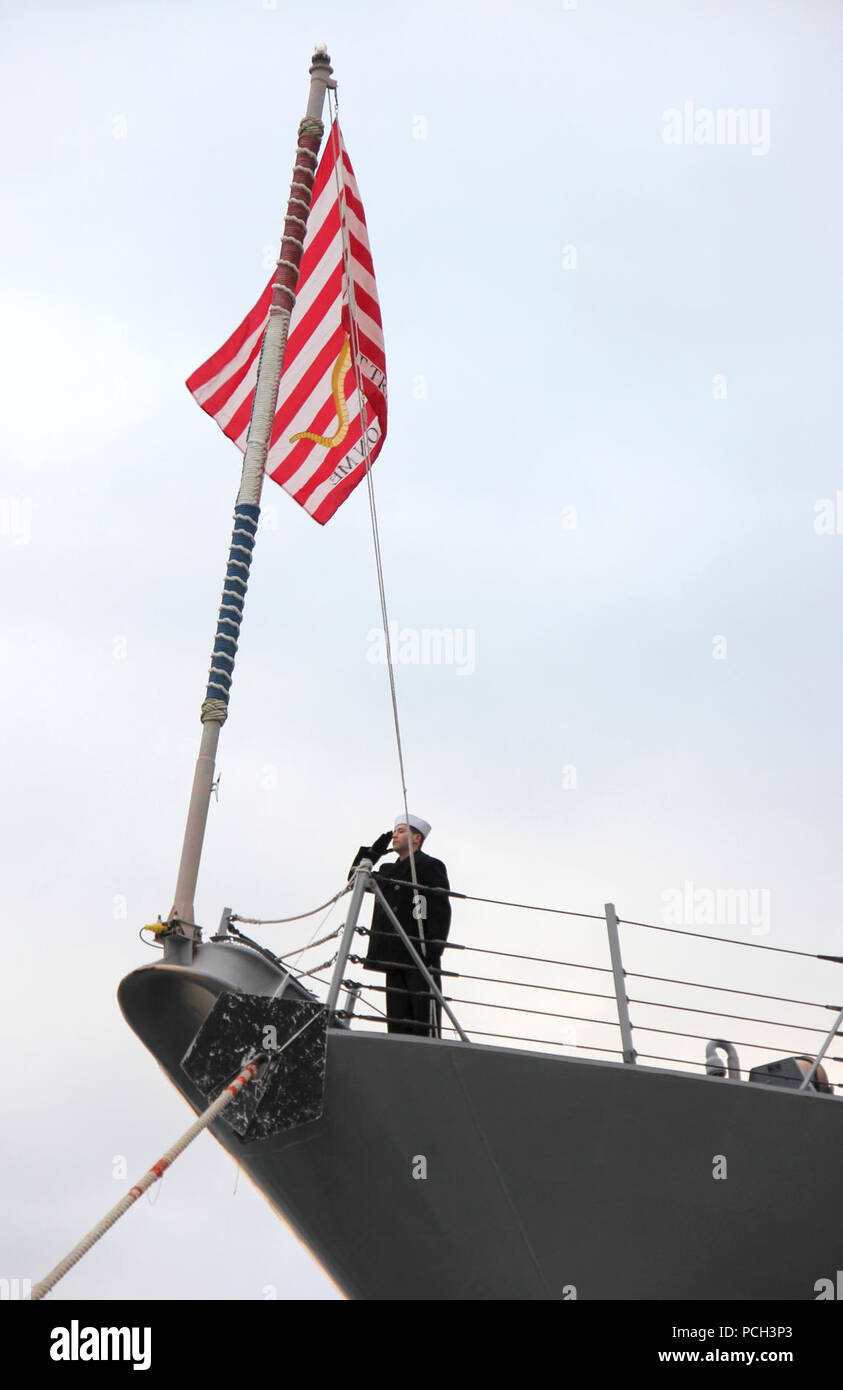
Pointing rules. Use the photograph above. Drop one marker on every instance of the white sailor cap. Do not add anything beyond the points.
(415, 822)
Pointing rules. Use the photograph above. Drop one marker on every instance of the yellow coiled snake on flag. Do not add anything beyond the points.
(342, 365)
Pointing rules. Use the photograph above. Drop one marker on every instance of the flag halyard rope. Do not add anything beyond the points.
(333, 108)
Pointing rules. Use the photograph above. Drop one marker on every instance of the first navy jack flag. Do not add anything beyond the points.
(332, 398)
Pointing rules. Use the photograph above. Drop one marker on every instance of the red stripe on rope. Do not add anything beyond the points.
(241, 1080)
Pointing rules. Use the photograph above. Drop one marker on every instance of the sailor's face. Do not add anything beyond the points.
(401, 841)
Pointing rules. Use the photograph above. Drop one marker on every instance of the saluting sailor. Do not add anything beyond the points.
(410, 1006)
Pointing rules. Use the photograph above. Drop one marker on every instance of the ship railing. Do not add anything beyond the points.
(609, 1010)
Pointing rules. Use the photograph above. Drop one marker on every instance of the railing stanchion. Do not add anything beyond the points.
(362, 881)
(351, 998)
(811, 1073)
(629, 1053)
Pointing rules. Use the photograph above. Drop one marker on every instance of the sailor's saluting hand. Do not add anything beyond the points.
(373, 852)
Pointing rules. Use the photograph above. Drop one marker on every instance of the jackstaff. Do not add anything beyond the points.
(247, 508)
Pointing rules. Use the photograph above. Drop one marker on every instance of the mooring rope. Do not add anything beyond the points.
(157, 1171)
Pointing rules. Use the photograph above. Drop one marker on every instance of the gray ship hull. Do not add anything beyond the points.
(545, 1177)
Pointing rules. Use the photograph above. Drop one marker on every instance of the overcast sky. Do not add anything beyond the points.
(612, 472)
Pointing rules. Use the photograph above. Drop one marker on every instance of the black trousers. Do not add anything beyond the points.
(408, 1004)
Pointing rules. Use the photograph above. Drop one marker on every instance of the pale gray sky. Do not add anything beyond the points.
(578, 315)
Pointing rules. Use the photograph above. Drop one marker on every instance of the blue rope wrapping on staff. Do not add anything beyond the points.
(246, 516)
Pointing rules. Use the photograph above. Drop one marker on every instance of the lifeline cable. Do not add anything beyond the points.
(279, 993)
(624, 921)
(277, 921)
(729, 941)
(502, 902)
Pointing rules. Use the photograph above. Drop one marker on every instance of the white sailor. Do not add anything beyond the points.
(425, 917)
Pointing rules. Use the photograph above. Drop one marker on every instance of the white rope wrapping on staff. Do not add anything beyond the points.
(275, 341)
(157, 1171)
(263, 410)
(285, 289)
(214, 710)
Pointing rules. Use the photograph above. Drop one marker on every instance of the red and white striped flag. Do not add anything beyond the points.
(316, 450)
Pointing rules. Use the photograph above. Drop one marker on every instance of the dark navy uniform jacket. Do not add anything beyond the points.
(386, 949)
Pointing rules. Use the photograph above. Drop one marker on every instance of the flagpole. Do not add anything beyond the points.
(247, 507)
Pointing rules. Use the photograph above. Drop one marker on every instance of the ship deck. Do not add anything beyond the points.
(445, 1170)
